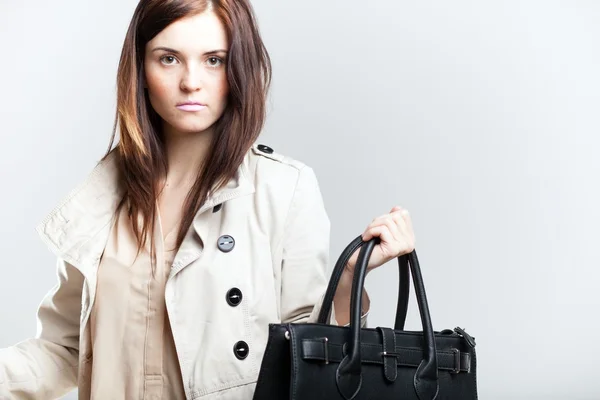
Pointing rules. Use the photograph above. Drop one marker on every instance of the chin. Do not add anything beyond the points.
(192, 128)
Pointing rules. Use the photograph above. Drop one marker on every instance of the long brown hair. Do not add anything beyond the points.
(141, 150)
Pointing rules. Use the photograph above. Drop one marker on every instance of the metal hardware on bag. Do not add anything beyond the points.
(287, 335)
(456, 369)
(325, 344)
(469, 339)
(468, 363)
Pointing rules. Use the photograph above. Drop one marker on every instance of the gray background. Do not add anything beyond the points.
(481, 118)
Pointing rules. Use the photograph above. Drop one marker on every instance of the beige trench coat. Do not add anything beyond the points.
(273, 208)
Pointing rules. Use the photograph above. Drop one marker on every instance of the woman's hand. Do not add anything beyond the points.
(396, 236)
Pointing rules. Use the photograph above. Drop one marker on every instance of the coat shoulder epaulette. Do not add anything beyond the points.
(268, 152)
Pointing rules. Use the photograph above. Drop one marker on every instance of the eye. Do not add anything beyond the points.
(168, 58)
(214, 62)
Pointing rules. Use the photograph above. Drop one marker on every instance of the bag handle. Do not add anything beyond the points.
(348, 374)
(403, 288)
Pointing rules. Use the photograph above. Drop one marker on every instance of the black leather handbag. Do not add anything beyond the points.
(313, 361)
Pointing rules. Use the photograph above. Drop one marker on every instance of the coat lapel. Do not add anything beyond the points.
(71, 229)
(77, 229)
(207, 219)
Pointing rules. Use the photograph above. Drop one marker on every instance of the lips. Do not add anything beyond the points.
(191, 106)
(191, 103)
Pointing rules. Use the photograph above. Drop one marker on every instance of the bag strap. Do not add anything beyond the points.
(336, 275)
(348, 374)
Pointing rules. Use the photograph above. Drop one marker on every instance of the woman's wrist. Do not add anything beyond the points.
(344, 289)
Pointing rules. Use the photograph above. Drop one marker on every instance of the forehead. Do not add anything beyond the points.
(197, 33)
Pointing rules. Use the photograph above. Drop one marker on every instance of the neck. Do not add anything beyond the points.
(185, 154)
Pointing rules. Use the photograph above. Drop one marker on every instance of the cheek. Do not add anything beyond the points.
(159, 85)
(159, 89)
(222, 89)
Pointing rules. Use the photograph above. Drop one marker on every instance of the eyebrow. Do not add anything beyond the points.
(167, 49)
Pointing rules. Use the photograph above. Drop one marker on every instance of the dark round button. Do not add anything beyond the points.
(234, 297)
(241, 350)
(265, 149)
(226, 243)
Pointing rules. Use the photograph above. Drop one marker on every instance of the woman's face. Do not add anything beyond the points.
(186, 63)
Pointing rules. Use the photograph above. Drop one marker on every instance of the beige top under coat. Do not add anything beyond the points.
(133, 352)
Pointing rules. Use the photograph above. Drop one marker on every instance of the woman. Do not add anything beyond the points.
(228, 236)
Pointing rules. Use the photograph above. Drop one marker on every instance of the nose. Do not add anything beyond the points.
(192, 78)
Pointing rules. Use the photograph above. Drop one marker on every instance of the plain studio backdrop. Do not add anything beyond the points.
(481, 118)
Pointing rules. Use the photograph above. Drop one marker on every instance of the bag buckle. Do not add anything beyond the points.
(456, 369)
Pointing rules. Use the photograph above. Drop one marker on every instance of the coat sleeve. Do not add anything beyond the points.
(46, 366)
(304, 270)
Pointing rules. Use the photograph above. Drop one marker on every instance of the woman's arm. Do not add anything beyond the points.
(304, 276)
(341, 301)
(46, 366)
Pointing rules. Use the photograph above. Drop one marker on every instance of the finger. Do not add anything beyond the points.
(407, 230)
(389, 222)
(407, 227)
(407, 218)
(385, 220)
(382, 232)
(399, 216)
(381, 217)
(404, 223)
(396, 212)
(396, 208)
(404, 214)
(376, 222)
(400, 222)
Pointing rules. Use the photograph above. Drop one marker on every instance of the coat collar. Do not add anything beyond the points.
(76, 230)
